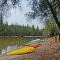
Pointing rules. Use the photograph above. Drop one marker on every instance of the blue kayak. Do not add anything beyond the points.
(36, 41)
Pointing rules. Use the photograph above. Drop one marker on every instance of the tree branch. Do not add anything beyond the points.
(53, 13)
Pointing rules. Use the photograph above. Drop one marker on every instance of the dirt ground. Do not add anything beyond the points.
(50, 51)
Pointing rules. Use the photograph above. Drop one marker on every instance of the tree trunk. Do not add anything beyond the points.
(54, 15)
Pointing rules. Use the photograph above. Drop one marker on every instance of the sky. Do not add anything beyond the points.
(17, 15)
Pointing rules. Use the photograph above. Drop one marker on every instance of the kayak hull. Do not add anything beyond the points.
(24, 50)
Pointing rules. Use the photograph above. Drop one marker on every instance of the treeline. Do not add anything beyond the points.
(18, 30)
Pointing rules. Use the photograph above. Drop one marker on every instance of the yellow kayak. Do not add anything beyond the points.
(24, 50)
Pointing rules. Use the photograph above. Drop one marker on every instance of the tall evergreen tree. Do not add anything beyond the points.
(1, 19)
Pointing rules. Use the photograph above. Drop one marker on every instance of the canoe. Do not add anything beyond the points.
(37, 45)
(36, 41)
(24, 50)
